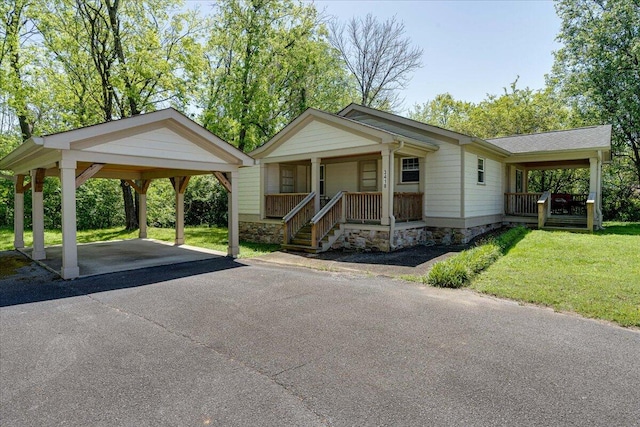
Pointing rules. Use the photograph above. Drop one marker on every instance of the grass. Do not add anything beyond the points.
(596, 275)
(205, 237)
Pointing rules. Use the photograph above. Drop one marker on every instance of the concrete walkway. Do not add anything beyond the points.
(416, 261)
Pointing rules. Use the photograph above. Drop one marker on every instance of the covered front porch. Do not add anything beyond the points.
(557, 208)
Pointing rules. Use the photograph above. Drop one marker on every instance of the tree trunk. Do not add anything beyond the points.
(131, 219)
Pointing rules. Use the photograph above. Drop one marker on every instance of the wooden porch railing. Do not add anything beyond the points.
(363, 207)
(521, 204)
(544, 208)
(407, 206)
(278, 205)
(330, 215)
(298, 217)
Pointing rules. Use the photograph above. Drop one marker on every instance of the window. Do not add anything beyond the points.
(369, 175)
(321, 180)
(480, 170)
(410, 170)
(287, 179)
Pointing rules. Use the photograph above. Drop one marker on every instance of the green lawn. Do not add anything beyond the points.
(595, 275)
(204, 237)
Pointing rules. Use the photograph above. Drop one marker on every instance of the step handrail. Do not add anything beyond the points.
(591, 205)
(320, 229)
(298, 217)
(544, 207)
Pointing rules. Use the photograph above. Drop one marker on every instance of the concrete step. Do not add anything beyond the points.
(300, 248)
(569, 229)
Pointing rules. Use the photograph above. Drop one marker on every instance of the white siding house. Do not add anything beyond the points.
(368, 179)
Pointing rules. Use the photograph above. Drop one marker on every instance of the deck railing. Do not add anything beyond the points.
(407, 206)
(330, 215)
(521, 204)
(363, 207)
(278, 205)
(298, 217)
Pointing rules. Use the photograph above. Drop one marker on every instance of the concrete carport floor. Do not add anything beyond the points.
(160, 145)
(123, 255)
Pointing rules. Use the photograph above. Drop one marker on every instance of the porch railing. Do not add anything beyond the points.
(298, 217)
(278, 205)
(407, 206)
(363, 207)
(521, 204)
(330, 215)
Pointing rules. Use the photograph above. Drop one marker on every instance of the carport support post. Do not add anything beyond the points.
(18, 213)
(37, 214)
(69, 242)
(234, 239)
(142, 215)
(180, 185)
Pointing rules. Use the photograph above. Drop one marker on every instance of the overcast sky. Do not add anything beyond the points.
(471, 48)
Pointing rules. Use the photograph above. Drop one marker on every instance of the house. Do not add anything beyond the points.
(368, 179)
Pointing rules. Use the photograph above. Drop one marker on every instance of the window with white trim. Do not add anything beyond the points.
(410, 170)
(480, 170)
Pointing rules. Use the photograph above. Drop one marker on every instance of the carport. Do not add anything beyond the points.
(161, 145)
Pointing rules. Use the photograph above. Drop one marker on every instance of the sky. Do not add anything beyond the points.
(471, 48)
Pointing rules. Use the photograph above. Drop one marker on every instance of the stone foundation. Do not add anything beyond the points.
(457, 236)
(261, 232)
(363, 240)
(406, 238)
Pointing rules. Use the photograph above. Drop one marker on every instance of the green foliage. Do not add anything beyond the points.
(598, 67)
(268, 62)
(205, 202)
(448, 274)
(458, 270)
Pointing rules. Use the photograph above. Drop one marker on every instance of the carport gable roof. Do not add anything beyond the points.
(166, 137)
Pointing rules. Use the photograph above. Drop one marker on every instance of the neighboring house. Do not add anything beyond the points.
(368, 179)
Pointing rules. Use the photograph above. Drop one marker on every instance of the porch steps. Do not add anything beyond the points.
(576, 224)
(302, 240)
(569, 229)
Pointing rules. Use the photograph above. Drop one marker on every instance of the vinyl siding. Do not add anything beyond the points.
(487, 199)
(159, 143)
(443, 181)
(249, 190)
(317, 137)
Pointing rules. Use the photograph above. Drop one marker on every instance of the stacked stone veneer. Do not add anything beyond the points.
(373, 239)
(261, 232)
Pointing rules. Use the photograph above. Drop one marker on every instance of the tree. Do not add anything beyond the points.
(268, 61)
(121, 59)
(598, 67)
(378, 55)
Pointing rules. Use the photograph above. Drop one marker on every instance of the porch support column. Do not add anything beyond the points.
(594, 186)
(422, 161)
(233, 250)
(18, 213)
(37, 213)
(511, 170)
(70, 267)
(180, 185)
(315, 182)
(387, 191)
(263, 190)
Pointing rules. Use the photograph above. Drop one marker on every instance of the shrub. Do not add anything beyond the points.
(448, 274)
(458, 270)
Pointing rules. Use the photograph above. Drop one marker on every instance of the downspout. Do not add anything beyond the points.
(599, 190)
(392, 184)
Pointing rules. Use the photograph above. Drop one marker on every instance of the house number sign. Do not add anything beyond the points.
(384, 178)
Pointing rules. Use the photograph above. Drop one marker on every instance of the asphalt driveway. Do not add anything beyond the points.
(229, 343)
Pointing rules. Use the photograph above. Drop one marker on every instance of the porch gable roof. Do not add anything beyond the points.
(586, 138)
(377, 135)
